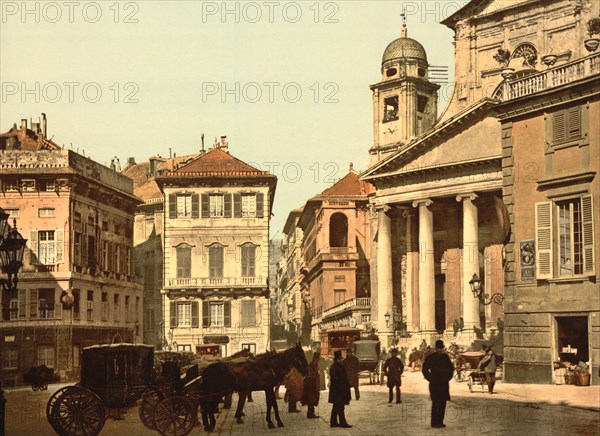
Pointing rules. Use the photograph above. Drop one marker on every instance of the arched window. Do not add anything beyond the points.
(527, 53)
(338, 230)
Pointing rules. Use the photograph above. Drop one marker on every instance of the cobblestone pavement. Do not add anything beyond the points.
(515, 409)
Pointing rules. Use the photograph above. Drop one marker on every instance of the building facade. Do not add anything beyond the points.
(216, 253)
(77, 286)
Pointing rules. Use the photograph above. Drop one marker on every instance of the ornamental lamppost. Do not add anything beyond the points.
(12, 247)
(478, 293)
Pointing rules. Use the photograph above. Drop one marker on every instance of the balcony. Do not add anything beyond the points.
(552, 77)
(216, 282)
(354, 304)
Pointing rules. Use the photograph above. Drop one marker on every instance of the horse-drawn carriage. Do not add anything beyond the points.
(338, 339)
(367, 351)
(39, 377)
(115, 377)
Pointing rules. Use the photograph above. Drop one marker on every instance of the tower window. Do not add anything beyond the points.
(391, 72)
(422, 103)
(390, 109)
(421, 72)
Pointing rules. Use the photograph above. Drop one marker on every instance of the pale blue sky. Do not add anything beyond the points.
(177, 53)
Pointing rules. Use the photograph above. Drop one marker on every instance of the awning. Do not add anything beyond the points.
(216, 339)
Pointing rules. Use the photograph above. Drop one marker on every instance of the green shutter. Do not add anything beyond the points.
(172, 206)
(587, 213)
(227, 201)
(22, 297)
(195, 206)
(543, 240)
(559, 128)
(205, 206)
(205, 314)
(227, 313)
(237, 205)
(195, 314)
(33, 303)
(260, 206)
(33, 246)
(60, 243)
(173, 314)
(573, 119)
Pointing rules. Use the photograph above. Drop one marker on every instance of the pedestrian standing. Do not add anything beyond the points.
(352, 367)
(488, 365)
(312, 383)
(339, 392)
(461, 324)
(438, 371)
(294, 383)
(393, 369)
(383, 356)
(455, 327)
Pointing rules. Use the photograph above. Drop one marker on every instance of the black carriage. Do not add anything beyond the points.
(115, 377)
(367, 351)
(39, 377)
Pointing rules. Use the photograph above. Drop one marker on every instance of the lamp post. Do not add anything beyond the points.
(12, 247)
(478, 293)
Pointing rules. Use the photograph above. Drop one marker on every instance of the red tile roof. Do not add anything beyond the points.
(350, 185)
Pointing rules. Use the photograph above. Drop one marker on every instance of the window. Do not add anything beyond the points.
(249, 347)
(184, 206)
(422, 103)
(184, 314)
(46, 212)
(10, 358)
(149, 278)
(564, 238)
(340, 279)
(47, 185)
(184, 261)
(105, 226)
(76, 351)
(565, 126)
(184, 347)
(390, 110)
(48, 244)
(27, 185)
(127, 319)
(339, 296)
(11, 185)
(14, 308)
(215, 260)
(14, 213)
(46, 303)
(365, 319)
(46, 356)
(248, 313)
(116, 307)
(117, 264)
(216, 313)
(90, 305)
(248, 260)
(216, 206)
(76, 308)
(248, 205)
(77, 248)
(105, 255)
(104, 306)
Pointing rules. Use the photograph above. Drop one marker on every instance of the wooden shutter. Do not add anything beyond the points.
(227, 313)
(57, 306)
(195, 314)
(33, 245)
(22, 297)
(173, 314)
(60, 246)
(260, 206)
(195, 206)
(172, 206)
(573, 119)
(237, 205)
(33, 303)
(543, 240)
(559, 128)
(227, 201)
(205, 206)
(205, 314)
(587, 213)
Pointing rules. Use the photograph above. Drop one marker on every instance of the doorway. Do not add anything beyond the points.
(440, 303)
(572, 338)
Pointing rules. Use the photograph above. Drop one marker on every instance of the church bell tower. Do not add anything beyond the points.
(405, 101)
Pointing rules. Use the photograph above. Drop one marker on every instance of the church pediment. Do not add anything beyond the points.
(473, 135)
(481, 8)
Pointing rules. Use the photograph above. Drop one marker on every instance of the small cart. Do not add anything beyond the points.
(367, 351)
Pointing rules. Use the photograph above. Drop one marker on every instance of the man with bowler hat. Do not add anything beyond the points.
(438, 371)
(339, 391)
(352, 366)
(393, 369)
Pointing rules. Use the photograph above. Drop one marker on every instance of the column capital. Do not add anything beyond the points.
(382, 208)
(469, 195)
(426, 201)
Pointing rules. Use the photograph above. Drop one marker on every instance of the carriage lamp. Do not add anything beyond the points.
(478, 293)
(12, 247)
(387, 319)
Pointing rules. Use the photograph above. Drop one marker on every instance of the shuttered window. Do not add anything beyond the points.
(248, 260)
(566, 125)
(543, 239)
(184, 262)
(587, 213)
(248, 313)
(215, 260)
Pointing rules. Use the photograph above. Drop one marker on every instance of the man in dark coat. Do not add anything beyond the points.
(393, 369)
(438, 371)
(339, 391)
(311, 393)
(352, 366)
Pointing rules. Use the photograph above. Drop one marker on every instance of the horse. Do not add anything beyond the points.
(259, 373)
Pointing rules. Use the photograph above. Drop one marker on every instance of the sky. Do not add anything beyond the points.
(286, 82)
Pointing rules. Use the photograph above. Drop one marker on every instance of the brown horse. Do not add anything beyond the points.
(260, 373)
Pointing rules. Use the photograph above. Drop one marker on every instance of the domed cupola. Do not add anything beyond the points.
(404, 57)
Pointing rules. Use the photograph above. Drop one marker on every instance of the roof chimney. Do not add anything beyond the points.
(130, 161)
(44, 125)
(224, 144)
(202, 136)
(23, 123)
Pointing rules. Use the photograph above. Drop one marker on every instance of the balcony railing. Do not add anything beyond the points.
(197, 282)
(358, 303)
(552, 77)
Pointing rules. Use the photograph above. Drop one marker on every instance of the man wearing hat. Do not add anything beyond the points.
(393, 369)
(352, 366)
(339, 391)
(438, 371)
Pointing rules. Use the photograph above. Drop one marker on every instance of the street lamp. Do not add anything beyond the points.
(478, 293)
(387, 319)
(12, 248)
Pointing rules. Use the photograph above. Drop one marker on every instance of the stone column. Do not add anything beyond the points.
(409, 276)
(385, 294)
(426, 266)
(470, 258)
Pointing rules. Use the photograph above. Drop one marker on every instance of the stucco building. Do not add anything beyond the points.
(216, 253)
(78, 218)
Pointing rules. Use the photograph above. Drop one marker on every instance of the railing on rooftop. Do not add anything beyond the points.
(216, 281)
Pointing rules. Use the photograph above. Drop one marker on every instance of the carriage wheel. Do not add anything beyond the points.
(470, 383)
(460, 374)
(150, 398)
(174, 416)
(75, 411)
